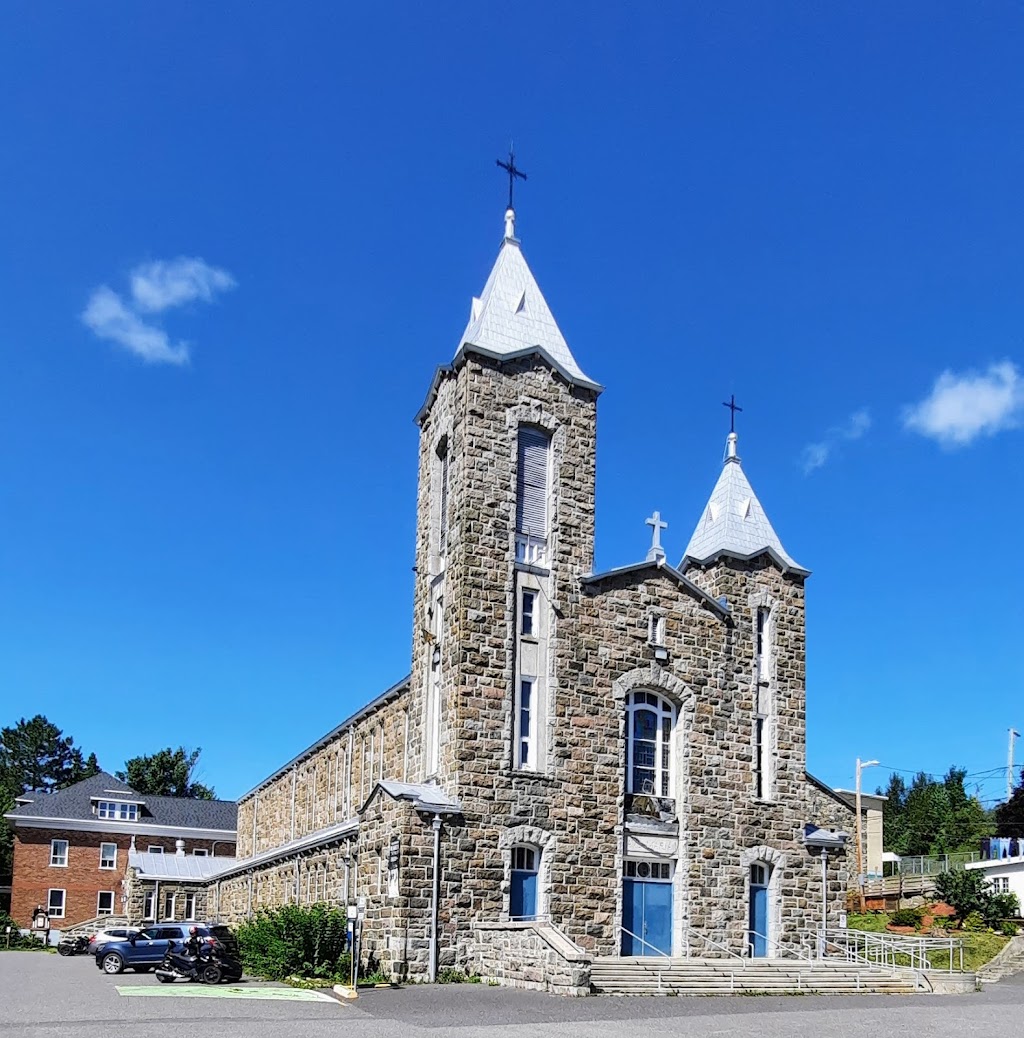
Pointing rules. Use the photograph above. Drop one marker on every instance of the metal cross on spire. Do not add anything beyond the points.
(733, 408)
(513, 172)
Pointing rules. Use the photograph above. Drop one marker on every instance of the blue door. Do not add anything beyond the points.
(758, 924)
(523, 892)
(646, 917)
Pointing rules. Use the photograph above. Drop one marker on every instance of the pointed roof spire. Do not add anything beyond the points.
(511, 317)
(734, 523)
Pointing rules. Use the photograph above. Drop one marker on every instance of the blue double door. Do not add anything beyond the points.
(646, 917)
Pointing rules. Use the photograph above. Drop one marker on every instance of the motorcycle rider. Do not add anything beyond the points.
(193, 944)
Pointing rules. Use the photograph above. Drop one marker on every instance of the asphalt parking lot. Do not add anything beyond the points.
(47, 995)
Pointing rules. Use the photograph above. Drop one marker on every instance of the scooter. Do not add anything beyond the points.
(73, 945)
(210, 966)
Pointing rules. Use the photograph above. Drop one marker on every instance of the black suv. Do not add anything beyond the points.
(144, 950)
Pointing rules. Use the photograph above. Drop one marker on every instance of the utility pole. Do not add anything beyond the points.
(1009, 764)
(861, 765)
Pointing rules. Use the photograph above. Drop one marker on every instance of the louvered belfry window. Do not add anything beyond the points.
(532, 483)
(442, 510)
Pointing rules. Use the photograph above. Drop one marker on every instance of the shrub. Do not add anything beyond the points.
(1000, 907)
(906, 917)
(974, 922)
(291, 940)
(1008, 928)
(19, 941)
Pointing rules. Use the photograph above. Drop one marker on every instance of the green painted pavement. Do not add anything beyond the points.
(226, 991)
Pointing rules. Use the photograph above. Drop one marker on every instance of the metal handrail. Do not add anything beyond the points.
(646, 944)
(784, 948)
(714, 944)
(884, 949)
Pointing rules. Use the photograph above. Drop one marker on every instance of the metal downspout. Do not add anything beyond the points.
(435, 898)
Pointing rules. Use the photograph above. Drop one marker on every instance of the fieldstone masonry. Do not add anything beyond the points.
(323, 828)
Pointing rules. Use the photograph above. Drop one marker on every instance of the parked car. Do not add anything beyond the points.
(146, 949)
(105, 936)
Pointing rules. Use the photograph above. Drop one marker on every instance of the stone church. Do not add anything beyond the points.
(580, 764)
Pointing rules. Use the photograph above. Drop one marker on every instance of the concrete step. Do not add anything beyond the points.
(644, 976)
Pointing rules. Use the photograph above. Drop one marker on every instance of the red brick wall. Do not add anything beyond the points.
(83, 878)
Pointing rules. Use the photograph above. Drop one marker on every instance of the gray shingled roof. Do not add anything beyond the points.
(512, 317)
(734, 523)
(76, 803)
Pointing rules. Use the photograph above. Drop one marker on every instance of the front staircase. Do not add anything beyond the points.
(678, 976)
(1007, 963)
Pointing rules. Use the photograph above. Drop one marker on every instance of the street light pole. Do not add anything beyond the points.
(861, 765)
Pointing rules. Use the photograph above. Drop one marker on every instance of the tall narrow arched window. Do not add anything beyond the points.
(533, 459)
(650, 721)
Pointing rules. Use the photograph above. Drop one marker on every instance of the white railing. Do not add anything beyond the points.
(890, 950)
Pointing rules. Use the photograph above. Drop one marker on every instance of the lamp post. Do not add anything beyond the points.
(861, 765)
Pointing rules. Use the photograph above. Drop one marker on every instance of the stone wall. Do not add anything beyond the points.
(136, 889)
(329, 783)
(324, 874)
(528, 955)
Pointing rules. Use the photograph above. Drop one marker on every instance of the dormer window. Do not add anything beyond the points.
(115, 810)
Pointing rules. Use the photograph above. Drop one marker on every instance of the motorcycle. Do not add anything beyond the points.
(73, 945)
(210, 966)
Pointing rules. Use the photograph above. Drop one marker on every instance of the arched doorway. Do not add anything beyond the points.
(758, 937)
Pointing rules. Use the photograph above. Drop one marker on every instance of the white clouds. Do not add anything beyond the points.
(960, 408)
(816, 454)
(109, 318)
(155, 287)
(166, 283)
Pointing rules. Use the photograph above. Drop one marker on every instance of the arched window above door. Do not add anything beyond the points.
(650, 722)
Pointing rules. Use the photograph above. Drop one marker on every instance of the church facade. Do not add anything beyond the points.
(579, 764)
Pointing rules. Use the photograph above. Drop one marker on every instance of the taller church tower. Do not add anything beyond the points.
(505, 529)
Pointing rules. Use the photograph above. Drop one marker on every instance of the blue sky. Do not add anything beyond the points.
(236, 240)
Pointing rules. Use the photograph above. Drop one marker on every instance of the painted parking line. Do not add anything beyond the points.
(226, 991)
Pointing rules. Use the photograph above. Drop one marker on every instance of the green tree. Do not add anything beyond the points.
(35, 755)
(894, 825)
(166, 773)
(1010, 816)
(964, 890)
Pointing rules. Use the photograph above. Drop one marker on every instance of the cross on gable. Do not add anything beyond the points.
(657, 524)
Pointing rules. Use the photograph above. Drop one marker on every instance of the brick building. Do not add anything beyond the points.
(580, 764)
(72, 847)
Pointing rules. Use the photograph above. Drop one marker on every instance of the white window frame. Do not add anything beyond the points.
(113, 861)
(117, 811)
(154, 848)
(200, 852)
(103, 893)
(190, 906)
(529, 615)
(52, 912)
(527, 692)
(664, 756)
(149, 906)
(168, 917)
(59, 860)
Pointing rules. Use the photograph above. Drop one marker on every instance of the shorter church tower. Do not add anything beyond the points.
(735, 555)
